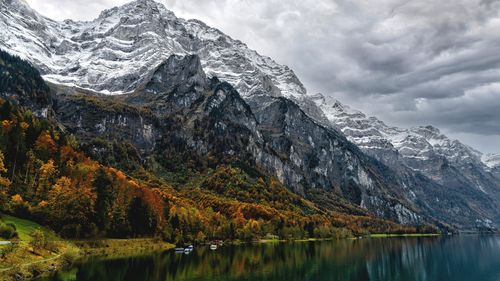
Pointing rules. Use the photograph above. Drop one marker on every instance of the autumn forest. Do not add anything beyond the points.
(48, 177)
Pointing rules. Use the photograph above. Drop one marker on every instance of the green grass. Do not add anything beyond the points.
(26, 227)
(381, 235)
(270, 241)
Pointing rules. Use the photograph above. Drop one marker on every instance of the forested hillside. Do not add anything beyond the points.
(48, 177)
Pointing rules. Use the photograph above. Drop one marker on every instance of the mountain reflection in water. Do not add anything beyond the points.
(466, 258)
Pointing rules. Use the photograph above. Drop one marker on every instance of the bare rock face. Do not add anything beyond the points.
(182, 85)
(424, 150)
(178, 73)
(118, 51)
(308, 156)
(180, 110)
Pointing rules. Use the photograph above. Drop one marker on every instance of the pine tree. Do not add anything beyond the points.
(102, 186)
(4, 183)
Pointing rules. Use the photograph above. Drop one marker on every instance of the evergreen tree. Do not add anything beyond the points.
(102, 186)
(142, 221)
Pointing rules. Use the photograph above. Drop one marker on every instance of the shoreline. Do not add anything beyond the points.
(388, 235)
(71, 251)
(377, 235)
(117, 248)
(123, 248)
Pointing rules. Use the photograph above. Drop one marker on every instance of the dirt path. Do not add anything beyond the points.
(30, 263)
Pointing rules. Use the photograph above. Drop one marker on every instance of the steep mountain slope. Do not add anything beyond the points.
(422, 149)
(492, 161)
(169, 106)
(123, 50)
(182, 112)
(119, 50)
(46, 176)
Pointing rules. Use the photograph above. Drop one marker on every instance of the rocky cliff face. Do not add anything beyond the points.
(182, 110)
(179, 85)
(208, 117)
(118, 51)
(492, 161)
(419, 150)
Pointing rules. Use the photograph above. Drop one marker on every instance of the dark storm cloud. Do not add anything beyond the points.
(407, 62)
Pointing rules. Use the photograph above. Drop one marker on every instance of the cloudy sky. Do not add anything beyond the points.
(407, 62)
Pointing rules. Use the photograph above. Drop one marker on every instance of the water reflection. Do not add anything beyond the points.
(456, 258)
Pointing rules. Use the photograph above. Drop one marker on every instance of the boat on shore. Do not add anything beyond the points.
(184, 250)
(213, 247)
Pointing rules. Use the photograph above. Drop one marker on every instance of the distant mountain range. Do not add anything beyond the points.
(139, 74)
(423, 149)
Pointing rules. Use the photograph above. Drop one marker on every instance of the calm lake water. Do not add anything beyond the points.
(467, 258)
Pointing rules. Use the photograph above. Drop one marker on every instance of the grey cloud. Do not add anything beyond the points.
(76, 9)
(479, 107)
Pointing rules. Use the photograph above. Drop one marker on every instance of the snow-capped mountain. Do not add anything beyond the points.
(493, 163)
(118, 51)
(424, 149)
(138, 49)
(135, 49)
(491, 160)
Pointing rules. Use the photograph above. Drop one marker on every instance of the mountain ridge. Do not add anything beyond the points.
(144, 20)
(274, 146)
(363, 130)
(423, 149)
(124, 51)
(108, 193)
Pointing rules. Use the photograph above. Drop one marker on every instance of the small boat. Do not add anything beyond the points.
(179, 250)
(213, 247)
(190, 247)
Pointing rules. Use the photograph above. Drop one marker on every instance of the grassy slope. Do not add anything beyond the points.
(25, 227)
(24, 260)
(22, 257)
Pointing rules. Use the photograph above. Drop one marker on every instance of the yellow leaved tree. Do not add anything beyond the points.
(4, 183)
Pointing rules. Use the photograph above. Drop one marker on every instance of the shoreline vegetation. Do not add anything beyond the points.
(388, 235)
(116, 248)
(37, 266)
(32, 250)
(40, 263)
(37, 251)
(85, 189)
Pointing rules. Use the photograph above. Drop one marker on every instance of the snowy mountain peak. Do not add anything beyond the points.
(140, 8)
(16, 3)
(20, 10)
(333, 107)
(427, 131)
(423, 148)
(491, 160)
(318, 98)
(117, 51)
(142, 47)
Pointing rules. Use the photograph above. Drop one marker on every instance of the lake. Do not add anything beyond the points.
(455, 258)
